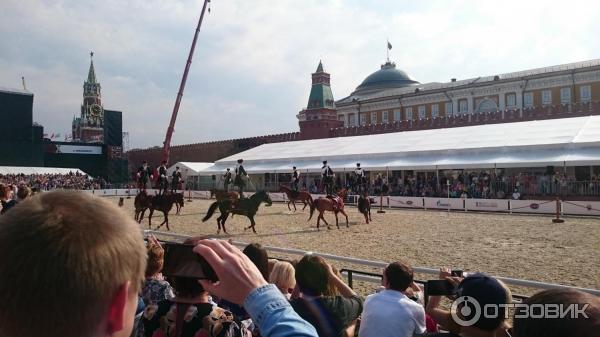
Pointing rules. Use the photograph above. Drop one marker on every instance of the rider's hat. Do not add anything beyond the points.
(324, 162)
(228, 169)
(357, 164)
(177, 167)
(294, 167)
(164, 161)
(240, 161)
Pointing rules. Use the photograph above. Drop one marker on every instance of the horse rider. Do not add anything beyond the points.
(295, 179)
(143, 173)
(175, 179)
(227, 180)
(162, 178)
(240, 176)
(359, 178)
(327, 175)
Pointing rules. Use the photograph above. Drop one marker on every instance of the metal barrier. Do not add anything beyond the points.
(381, 264)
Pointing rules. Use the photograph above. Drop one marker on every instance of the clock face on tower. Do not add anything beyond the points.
(95, 110)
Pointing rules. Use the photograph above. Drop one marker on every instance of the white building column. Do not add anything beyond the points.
(501, 101)
(454, 106)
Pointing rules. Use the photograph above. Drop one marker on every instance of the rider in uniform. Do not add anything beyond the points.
(295, 179)
(327, 175)
(227, 180)
(175, 179)
(359, 177)
(162, 178)
(143, 173)
(240, 175)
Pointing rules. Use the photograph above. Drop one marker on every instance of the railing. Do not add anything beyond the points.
(381, 265)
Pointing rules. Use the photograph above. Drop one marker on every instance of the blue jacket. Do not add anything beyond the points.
(274, 315)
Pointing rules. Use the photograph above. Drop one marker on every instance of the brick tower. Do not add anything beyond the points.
(89, 126)
(320, 114)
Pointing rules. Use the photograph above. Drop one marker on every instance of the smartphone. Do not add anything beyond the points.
(457, 273)
(181, 261)
(439, 288)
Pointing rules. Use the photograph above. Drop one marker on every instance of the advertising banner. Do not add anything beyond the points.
(494, 205)
(408, 202)
(533, 206)
(444, 203)
(581, 207)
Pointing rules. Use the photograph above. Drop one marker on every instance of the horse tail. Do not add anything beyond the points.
(313, 205)
(310, 200)
(211, 210)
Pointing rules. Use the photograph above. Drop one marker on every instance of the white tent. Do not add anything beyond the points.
(37, 170)
(191, 169)
(567, 141)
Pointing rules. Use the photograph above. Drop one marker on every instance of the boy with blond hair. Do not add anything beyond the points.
(72, 267)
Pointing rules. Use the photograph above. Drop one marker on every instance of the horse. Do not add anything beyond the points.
(222, 194)
(335, 205)
(243, 206)
(141, 203)
(163, 203)
(178, 202)
(364, 206)
(294, 196)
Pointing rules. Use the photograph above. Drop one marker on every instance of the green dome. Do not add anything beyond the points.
(388, 77)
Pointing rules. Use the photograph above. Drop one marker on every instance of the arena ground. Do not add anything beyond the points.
(519, 246)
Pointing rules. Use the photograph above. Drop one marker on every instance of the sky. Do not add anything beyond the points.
(250, 73)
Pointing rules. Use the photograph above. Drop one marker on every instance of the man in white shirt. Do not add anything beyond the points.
(390, 313)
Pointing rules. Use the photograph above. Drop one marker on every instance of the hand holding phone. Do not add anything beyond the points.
(181, 261)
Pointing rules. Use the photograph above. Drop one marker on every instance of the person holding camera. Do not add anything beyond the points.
(481, 288)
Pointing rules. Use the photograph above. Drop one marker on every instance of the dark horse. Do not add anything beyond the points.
(335, 205)
(178, 202)
(294, 196)
(243, 206)
(222, 194)
(141, 203)
(364, 206)
(163, 203)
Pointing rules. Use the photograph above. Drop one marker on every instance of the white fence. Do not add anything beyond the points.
(457, 204)
(381, 265)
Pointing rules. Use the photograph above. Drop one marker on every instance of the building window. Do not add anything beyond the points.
(421, 112)
(585, 93)
(397, 115)
(363, 119)
(546, 97)
(528, 99)
(373, 117)
(565, 95)
(511, 100)
(463, 106)
(341, 118)
(351, 120)
(435, 110)
(408, 113)
(385, 117)
(448, 108)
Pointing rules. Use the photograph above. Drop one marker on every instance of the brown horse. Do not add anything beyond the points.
(141, 203)
(294, 196)
(332, 204)
(364, 206)
(222, 194)
(163, 203)
(178, 202)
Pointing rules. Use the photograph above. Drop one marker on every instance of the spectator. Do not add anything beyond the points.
(483, 289)
(390, 312)
(330, 315)
(155, 288)
(516, 195)
(72, 261)
(241, 282)
(284, 277)
(557, 327)
(260, 257)
(6, 198)
(190, 313)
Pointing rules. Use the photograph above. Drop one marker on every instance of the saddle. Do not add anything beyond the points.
(338, 202)
(294, 194)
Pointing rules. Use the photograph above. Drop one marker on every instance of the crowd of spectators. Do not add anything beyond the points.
(84, 261)
(48, 182)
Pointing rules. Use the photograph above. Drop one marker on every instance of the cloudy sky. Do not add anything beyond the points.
(251, 70)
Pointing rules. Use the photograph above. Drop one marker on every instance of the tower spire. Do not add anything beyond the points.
(320, 67)
(91, 73)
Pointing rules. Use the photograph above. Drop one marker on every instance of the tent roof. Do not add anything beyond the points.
(37, 170)
(193, 167)
(532, 143)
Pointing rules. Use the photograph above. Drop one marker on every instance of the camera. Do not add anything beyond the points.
(181, 261)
